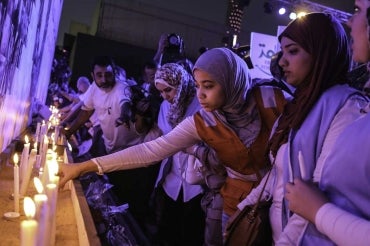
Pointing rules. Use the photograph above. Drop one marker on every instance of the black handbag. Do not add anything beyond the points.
(250, 226)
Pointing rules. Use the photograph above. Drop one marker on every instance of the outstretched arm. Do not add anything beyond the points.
(81, 119)
(72, 171)
(141, 155)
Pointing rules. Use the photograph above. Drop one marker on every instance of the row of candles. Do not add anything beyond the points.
(34, 230)
(39, 226)
(45, 201)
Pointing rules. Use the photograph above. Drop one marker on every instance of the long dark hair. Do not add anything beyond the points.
(324, 38)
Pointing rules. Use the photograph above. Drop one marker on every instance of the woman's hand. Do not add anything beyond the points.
(304, 198)
(67, 172)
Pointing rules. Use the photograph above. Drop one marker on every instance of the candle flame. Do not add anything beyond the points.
(29, 207)
(15, 159)
(26, 139)
(38, 185)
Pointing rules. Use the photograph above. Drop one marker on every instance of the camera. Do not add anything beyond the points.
(174, 51)
(174, 42)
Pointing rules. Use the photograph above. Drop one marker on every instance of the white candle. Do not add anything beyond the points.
(40, 201)
(53, 169)
(45, 177)
(302, 166)
(42, 211)
(42, 134)
(43, 129)
(24, 159)
(16, 183)
(28, 173)
(29, 226)
(56, 134)
(40, 198)
(44, 150)
(37, 134)
(38, 162)
(52, 194)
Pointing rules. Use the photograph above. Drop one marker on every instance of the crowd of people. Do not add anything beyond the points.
(307, 125)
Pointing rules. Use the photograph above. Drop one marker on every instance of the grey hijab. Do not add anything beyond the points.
(231, 72)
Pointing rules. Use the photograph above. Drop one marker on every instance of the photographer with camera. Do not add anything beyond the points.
(170, 49)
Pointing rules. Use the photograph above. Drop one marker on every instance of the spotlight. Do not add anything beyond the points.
(292, 16)
(282, 11)
(300, 14)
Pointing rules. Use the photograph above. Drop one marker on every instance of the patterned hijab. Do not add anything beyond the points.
(324, 38)
(175, 76)
(231, 72)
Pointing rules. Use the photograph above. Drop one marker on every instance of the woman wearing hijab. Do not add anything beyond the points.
(339, 207)
(315, 60)
(179, 214)
(235, 121)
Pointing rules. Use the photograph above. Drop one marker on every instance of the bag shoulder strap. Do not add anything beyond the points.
(270, 103)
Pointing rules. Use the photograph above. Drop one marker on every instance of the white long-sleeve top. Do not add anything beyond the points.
(275, 187)
(342, 227)
(174, 181)
(184, 135)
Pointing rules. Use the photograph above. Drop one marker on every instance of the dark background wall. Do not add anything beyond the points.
(128, 56)
(139, 23)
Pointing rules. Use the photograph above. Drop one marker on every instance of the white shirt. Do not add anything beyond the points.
(107, 105)
(174, 181)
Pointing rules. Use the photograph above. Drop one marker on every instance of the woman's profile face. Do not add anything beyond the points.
(168, 93)
(210, 93)
(295, 62)
(359, 32)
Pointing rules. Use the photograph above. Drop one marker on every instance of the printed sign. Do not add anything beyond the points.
(263, 47)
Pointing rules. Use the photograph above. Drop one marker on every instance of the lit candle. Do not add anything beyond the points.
(24, 159)
(53, 168)
(40, 198)
(16, 183)
(28, 173)
(29, 226)
(52, 194)
(42, 213)
(45, 176)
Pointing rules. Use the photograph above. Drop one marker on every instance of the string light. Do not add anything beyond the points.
(299, 8)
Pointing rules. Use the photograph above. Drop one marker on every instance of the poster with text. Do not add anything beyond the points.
(263, 47)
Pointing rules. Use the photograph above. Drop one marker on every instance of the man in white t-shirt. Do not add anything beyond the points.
(110, 99)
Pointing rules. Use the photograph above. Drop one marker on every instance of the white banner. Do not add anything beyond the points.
(263, 47)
